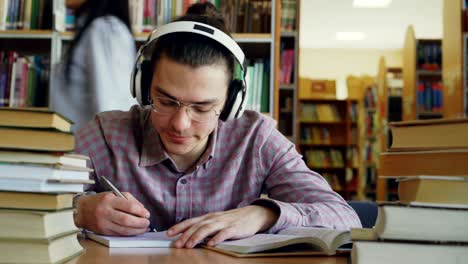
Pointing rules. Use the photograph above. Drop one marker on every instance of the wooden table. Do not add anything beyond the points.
(96, 253)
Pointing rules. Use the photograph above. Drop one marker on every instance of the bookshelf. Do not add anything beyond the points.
(389, 87)
(258, 39)
(422, 74)
(286, 99)
(328, 139)
(454, 66)
(370, 141)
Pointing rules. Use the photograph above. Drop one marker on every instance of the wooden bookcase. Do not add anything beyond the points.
(389, 91)
(53, 42)
(328, 140)
(423, 90)
(286, 99)
(370, 141)
(454, 66)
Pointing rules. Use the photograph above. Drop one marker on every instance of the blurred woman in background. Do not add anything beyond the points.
(94, 75)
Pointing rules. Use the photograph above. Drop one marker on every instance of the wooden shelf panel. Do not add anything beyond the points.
(323, 123)
(287, 86)
(324, 145)
(429, 73)
(26, 34)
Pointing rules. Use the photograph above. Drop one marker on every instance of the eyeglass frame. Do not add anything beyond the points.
(187, 109)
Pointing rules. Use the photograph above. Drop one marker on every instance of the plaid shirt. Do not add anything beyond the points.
(244, 158)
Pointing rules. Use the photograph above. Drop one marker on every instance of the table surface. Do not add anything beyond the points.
(96, 253)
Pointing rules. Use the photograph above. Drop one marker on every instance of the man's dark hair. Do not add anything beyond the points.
(193, 49)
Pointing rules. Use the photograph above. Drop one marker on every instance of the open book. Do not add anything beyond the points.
(292, 241)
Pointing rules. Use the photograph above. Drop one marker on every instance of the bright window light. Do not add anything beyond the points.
(371, 3)
(350, 35)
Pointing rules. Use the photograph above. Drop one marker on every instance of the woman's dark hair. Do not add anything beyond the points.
(94, 9)
(193, 49)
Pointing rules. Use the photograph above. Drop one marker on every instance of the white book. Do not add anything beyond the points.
(43, 171)
(371, 252)
(401, 222)
(73, 160)
(42, 186)
(3, 13)
(150, 239)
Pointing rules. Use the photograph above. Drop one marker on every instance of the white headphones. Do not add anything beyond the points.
(142, 74)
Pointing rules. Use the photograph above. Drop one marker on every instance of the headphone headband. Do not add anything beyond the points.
(198, 28)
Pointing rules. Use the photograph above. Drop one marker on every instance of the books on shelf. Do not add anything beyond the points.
(288, 15)
(429, 134)
(286, 74)
(25, 14)
(23, 79)
(257, 78)
(332, 158)
(430, 97)
(36, 201)
(319, 113)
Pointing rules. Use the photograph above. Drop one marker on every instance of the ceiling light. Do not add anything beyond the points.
(350, 35)
(371, 3)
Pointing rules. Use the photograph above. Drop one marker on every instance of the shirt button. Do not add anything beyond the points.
(183, 181)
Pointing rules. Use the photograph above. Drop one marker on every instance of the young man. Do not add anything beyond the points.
(184, 169)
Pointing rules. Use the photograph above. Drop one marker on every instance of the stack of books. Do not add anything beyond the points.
(38, 179)
(429, 223)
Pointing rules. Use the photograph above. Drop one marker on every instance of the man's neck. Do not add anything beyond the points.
(186, 162)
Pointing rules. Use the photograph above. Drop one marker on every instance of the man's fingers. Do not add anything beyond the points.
(130, 207)
(128, 220)
(223, 235)
(182, 226)
(120, 230)
(197, 232)
(202, 232)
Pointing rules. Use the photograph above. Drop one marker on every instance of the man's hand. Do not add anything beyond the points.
(236, 223)
(107, 214)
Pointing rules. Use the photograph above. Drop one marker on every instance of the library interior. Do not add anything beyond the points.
(336, 112)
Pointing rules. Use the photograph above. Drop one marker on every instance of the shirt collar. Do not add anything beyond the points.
(152, 150)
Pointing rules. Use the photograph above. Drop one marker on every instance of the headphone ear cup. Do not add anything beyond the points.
(146, 79)
(232, 106)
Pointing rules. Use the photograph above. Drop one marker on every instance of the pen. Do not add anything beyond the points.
(117, 193)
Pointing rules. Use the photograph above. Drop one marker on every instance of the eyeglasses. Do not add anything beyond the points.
(197, 112)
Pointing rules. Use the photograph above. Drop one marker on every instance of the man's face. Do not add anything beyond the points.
(206, 85)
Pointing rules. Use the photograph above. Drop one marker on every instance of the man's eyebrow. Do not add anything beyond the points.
(161, 91)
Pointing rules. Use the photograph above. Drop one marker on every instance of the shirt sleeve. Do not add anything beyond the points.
(302, 197)
(110, 60)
